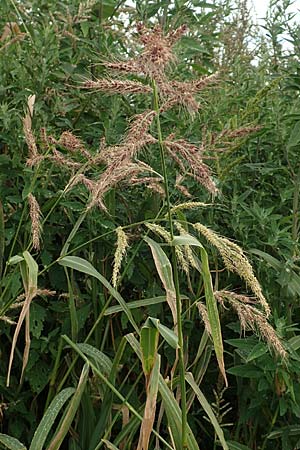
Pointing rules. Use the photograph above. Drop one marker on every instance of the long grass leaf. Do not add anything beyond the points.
(149, 342)
(11, 442)
(48, 419)
(80, 264)
(71, 411)
(164, 269)
(207, 408)
(171, 406)
(150, 406)
(139, 303)
(174, 416)
(102, 361)
(136, 304)
(108, 397)
(213, 314)
(211, 304)
(110, 385)
(29, 271)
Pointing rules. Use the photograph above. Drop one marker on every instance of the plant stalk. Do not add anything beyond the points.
(175, 270)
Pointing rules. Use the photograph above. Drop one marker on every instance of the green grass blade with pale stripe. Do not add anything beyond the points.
(207, 408)
(66, 423)
(11, 442)
(211, 304)
(49, 418)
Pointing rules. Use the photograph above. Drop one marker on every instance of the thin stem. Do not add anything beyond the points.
(175, 270)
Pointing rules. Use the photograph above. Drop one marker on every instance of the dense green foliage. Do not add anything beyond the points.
(99, 353)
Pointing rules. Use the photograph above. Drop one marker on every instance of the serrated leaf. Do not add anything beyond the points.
(294, 136)
(245, 371)
(257, 351)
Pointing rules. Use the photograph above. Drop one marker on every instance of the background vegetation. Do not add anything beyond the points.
(249, 125)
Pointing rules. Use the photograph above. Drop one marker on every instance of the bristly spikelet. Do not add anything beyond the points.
(204, 316)
(188, 205)
(235, 261)
(186, 154)
(117, 86)
(35, 216)
(73, 144)
(34, 156)
(251, 318)
(157, 52)
(122, 244)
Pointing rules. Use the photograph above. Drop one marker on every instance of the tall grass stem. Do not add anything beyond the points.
(175, 271)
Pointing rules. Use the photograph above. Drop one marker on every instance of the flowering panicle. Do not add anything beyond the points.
(117, 86)
(239, 132)
(185, 153)
(73, 144)
(235, 261)
(122, 244)
(204, 316)
(34, 156)
(58, 158)
(188, 205)
(180, 187)
(251, 318)
(114, 174)
(35, 216)
(156, 54)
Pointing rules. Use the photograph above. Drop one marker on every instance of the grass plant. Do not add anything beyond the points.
(113, 254)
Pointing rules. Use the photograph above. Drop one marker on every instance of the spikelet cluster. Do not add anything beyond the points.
(116, 86)
(189, 158)
(35, 217)
(34, 157)
(154, 61)
(252, 319)
(235, 261)
(122, 244)
(204, 316)
(188, 205)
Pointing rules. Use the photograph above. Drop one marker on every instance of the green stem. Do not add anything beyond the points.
(175, 270)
